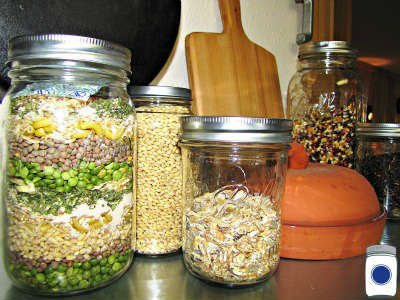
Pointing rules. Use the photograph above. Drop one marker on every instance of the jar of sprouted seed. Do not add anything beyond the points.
(234, 170)
(70, 173)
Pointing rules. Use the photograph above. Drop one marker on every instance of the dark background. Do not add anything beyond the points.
(147, 27)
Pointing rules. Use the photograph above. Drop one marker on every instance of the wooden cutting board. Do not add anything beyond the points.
(228, 74)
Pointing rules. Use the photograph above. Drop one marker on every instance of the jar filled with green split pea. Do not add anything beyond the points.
(159, 177)
(70, 164)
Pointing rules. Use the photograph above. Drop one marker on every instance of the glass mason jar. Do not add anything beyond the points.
(378, 159)
(326, 98)
(234, 170)
(159, 188)
(71, 148)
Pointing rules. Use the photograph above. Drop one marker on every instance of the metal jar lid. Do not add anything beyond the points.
(69, 47)
(154, 91)
(236, 129)
(378, 129)
(381, 250)
(326, 47)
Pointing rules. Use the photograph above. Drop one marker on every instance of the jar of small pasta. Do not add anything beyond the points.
(70, 164)
(234, 169)
(159, 189)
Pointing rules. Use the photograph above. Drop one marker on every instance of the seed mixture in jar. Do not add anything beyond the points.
(232, 236)
(70, 181)
(383, 172)
(159, 191)
(328, 136)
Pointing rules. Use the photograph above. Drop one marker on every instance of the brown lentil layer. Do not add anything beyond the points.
(328, 138)
(51, 152)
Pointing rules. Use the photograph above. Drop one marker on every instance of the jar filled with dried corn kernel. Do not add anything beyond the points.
(159, 188)
(70, 173)
(326, 98)
(234, 170)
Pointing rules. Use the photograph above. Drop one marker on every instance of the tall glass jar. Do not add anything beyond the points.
(159, 189)
(234, 170)
(326, 98)
(71, 150)
(378, 159)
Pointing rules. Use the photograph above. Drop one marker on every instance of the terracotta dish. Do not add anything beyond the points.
(328, 212)
(330, 242)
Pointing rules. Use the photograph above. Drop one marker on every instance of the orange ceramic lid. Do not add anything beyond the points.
(326, 195)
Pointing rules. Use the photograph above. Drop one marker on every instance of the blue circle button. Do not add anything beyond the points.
(381, 274)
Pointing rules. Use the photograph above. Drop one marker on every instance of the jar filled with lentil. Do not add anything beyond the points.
(378, 159)
(71, 152)
(326, 98)
(159, 185)
(234, 170)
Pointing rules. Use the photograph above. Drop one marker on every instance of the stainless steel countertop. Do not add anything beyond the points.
(166, 278)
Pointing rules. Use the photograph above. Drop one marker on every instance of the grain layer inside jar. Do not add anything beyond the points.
(232, 236)
(70, 200)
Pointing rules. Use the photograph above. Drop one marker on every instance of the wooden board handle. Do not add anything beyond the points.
(231, 16)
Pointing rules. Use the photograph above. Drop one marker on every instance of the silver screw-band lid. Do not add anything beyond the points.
(378, 129)
(236, 129)
(381, 250)
(69, 47)
(155, 91)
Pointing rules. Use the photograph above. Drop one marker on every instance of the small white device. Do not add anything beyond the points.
(381, 271)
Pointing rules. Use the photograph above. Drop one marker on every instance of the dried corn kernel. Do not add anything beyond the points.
(91, 125)
(43, 122)
(81, 134)
(113, 135)
(78, 226)
(40, 132)
(107, 218)
(50, 128)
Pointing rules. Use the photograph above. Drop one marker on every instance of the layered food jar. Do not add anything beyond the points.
(159, 189)
(70, 164)
(326, 98)
(378, 159)
(234, 170)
